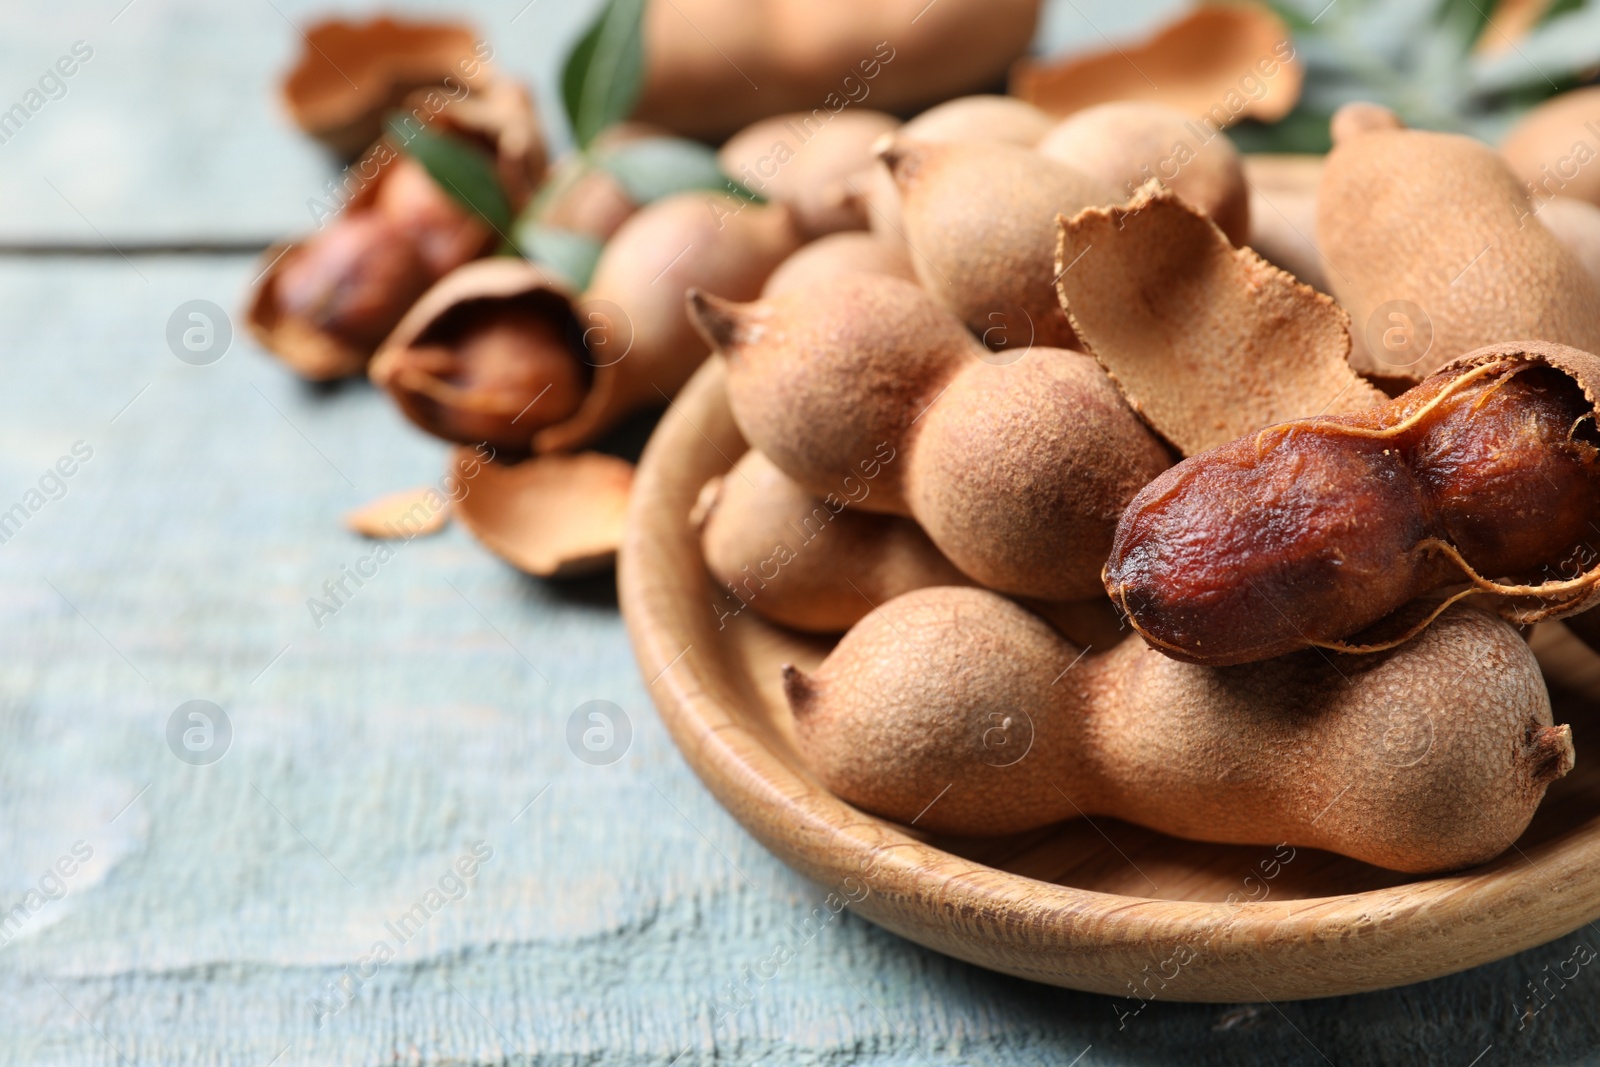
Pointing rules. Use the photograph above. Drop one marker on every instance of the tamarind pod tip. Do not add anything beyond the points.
(1550, 753)
(714, 317)
(799, 688)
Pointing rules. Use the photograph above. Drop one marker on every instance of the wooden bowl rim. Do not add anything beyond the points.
(1274, 949)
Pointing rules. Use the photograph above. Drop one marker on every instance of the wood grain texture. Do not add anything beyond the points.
(1336, 928)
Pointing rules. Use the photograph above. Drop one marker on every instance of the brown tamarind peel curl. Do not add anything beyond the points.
(556, 516)
(1217, 64)
(959, 712)
(493, 353)
(1482, 481)
(1432, 234)
(1017, 470)
(979, 220)
(352, 73)
(1223, 342)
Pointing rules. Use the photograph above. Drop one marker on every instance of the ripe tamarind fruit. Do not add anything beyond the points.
(1485, 477)
(959, 712)
(821, 564)
(1442, 241)
(798, 160)
(1127, 143)
(814, 563)
(1553, 147)
(839, 253)
(980, 118)
(717, 65)
(980, 220)
(1016, 469)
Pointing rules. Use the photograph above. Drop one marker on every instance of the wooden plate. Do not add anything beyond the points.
(1102, 906)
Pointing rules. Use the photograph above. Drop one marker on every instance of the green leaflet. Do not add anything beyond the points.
(605, 71)
(460, 168)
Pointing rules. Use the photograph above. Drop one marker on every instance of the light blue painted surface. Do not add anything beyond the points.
(618, 907)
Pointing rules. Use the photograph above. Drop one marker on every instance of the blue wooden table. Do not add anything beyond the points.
(377, 844)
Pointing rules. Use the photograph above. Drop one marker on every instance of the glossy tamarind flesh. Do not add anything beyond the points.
(1482, 479)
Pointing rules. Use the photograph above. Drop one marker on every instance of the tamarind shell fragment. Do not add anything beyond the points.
(1483, 481)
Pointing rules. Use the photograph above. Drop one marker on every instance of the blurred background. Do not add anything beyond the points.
(226, 908)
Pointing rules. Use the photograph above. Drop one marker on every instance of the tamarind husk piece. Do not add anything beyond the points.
(1194, 64)
(401, 515)
(443, 315)
(1223, 343)
(351, 73)
(551, 516)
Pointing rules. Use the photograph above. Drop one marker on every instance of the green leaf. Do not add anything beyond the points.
(655, 167)
(571, 255)
(604, 73)
(460, 168)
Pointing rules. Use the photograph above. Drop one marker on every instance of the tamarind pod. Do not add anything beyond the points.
(980, 118)
(1444, 242)
(1552, 149)
(811, 563)
(1483, 480)
(793, 159)
(1016, 466)
(1576, 224)
(980, 221)
(1127, 143)
(717, 65)
(839, 253)
(960, 712)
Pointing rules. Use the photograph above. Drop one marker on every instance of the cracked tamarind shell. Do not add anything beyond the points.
(965, 714)
(324, 303)
(351, 74)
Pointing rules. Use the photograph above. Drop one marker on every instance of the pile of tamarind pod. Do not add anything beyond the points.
(1318, 582)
